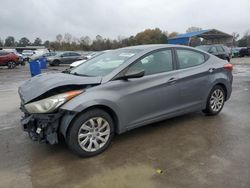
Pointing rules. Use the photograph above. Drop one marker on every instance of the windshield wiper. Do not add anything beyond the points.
(77, 74)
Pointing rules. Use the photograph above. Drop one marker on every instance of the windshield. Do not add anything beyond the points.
(105, 63)
(204, 48)
(59, 54)
(27, 51)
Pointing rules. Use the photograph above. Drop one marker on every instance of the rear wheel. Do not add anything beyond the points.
(215, 101)
(11, 64)
(91, 133)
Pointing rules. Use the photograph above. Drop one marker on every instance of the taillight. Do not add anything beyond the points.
(228, 66)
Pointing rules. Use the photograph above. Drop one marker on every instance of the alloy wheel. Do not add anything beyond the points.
(217, 100)
(11, 65)
(93, 134)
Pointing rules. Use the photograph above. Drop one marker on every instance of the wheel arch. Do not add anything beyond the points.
(223, 87)
(219, 83)
(69, 118)
(56, 62)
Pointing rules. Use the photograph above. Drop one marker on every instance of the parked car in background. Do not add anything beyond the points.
(40, 52)
(49, 54)
(121, 90)
(64, 58)
(46, 55)
(27, 54)
(218, 50)
(245, 51)
(236, 52)
(21, 59)
(88, 56)
(8, 59)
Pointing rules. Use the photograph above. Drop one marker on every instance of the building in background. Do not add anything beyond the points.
(209, 36)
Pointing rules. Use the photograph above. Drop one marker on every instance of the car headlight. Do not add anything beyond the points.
(50, 104)
(49, 59)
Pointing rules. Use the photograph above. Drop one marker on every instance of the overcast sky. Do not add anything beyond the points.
(110, 18)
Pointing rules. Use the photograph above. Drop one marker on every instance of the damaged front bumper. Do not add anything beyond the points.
(42, 127)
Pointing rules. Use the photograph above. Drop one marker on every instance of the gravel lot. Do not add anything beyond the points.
(187, 151)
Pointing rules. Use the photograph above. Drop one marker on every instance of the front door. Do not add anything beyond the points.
(152, 96)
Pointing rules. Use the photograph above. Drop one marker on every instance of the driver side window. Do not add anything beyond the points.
(156, 62)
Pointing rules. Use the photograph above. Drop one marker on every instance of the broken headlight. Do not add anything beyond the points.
(50, 104)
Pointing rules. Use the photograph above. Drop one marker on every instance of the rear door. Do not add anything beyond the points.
(193, 78)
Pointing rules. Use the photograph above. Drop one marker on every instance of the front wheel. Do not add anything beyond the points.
(91, 133)
(11, 64)
(215, 101)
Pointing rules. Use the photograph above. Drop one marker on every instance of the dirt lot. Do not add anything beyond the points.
(192, 150)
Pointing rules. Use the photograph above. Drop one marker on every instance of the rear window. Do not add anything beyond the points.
(189, 58)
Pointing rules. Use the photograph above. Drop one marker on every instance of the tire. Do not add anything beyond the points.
(55, 63)
(94, 129)
(11, 64)
(215, 101)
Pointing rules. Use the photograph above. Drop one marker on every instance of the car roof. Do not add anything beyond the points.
(152, 46)
(208, 45)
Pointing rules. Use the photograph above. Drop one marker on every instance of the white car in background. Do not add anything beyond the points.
(27, 54)
(76, 63)
(89, 56)
(40, 52)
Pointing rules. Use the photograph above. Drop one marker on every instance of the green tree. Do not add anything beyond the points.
(37, 42)
(24, 42)
(47, 44)
(10, 41)
(173, 34)
(245, 40)
(151, 36)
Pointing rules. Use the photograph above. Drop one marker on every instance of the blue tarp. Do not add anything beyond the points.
(184, 38)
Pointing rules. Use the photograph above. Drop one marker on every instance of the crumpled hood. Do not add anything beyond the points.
(42, 83)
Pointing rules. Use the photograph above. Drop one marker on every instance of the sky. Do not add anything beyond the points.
(113, 18)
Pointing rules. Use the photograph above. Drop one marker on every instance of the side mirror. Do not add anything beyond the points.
(130, 73)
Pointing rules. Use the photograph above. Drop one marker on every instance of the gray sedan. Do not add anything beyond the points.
(121, 90)
(63, 58)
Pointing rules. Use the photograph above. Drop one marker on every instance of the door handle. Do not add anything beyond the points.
(172, 80)
(211, 70)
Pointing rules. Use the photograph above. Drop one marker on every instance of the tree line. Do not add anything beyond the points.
(69, 42)
(148, 36)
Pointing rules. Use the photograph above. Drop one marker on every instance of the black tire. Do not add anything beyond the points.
(11, 64)
(210, 109)
(55, 63)
(72, 136)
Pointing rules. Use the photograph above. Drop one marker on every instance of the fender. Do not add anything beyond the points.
(88, 100)
(218, 80)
